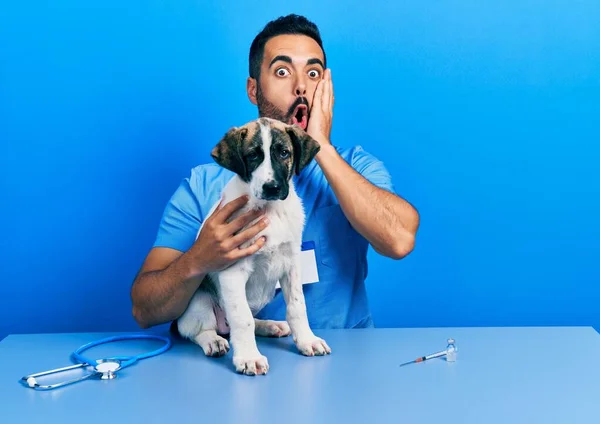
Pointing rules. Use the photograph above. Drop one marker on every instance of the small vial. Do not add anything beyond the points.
(452, 350)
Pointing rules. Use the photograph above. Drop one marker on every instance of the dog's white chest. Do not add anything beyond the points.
(286, 221)
(267, 270)
(278, 255)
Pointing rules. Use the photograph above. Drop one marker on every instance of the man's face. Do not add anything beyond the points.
(291, 68)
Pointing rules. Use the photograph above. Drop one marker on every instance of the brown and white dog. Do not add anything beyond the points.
(264, 154)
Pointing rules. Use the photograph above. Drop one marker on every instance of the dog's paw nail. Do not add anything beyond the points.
(313, 346)
(212, 344)
(251, 364)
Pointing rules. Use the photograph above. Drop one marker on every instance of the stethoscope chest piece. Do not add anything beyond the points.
(108, 368)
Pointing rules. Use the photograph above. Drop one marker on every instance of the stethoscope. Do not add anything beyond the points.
(105, 368)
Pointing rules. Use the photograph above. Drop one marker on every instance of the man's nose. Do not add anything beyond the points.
(300, 87)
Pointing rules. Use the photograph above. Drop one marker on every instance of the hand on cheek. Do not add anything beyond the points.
(319, 125)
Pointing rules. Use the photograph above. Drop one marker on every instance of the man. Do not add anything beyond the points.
(347, 193)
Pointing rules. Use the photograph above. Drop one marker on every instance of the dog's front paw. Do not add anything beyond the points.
(251, 364)
(212, 344)
(312, 346)
(269, 328)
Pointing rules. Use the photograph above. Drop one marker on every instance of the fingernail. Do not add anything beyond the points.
(266, 220)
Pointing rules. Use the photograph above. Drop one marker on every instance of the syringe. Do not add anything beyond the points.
(425, 358)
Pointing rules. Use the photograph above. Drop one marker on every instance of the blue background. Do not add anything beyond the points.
(486, 114)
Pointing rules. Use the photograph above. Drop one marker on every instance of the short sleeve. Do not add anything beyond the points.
(181, 218)
(372, 169)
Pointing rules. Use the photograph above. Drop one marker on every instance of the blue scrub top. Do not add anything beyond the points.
(339, 299)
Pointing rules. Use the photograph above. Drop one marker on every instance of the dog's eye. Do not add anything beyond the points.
(252, 155)
(284, 154)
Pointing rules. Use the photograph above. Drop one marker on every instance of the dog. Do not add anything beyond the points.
(264, 154)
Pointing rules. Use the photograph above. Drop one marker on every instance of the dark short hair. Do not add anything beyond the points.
(290, 24)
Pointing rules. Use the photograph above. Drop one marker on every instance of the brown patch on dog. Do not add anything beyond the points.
(281, 144)
(305, 147)
(229, 152)
(252, 128)
(273, 123)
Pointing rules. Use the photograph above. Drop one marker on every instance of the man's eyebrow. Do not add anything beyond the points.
(288, 59)
(282, 58)
(315, 60)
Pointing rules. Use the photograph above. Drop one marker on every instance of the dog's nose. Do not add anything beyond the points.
(271, 188)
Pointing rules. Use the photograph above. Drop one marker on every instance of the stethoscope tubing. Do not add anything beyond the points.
(125, 360)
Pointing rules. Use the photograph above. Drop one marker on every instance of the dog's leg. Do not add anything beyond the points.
(269, 328)
(307, 343)
(199, 324)
(246, 357)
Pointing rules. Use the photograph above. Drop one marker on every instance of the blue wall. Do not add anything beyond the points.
(486, 114)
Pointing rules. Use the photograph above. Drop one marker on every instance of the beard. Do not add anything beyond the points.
(269, 110)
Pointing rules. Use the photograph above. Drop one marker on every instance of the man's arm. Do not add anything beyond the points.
(387, 221)
(168, 279)
(164, 286)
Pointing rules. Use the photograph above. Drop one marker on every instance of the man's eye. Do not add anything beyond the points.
(313, 73)
(282, 72)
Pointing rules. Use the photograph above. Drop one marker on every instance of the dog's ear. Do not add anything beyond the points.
(228, 152)
(305, 147)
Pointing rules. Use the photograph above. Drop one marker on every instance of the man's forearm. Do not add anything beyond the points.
(387, 221)
(162, 296)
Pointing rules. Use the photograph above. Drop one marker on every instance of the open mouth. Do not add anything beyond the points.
(300, 116)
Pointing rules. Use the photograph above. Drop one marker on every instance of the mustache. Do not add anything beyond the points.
(299, 101)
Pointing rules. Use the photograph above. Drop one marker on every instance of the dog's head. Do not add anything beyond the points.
(265, 153)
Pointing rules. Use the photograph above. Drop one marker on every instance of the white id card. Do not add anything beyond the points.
(308, 264)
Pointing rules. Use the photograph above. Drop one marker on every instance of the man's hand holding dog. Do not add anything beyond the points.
(218, 244)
